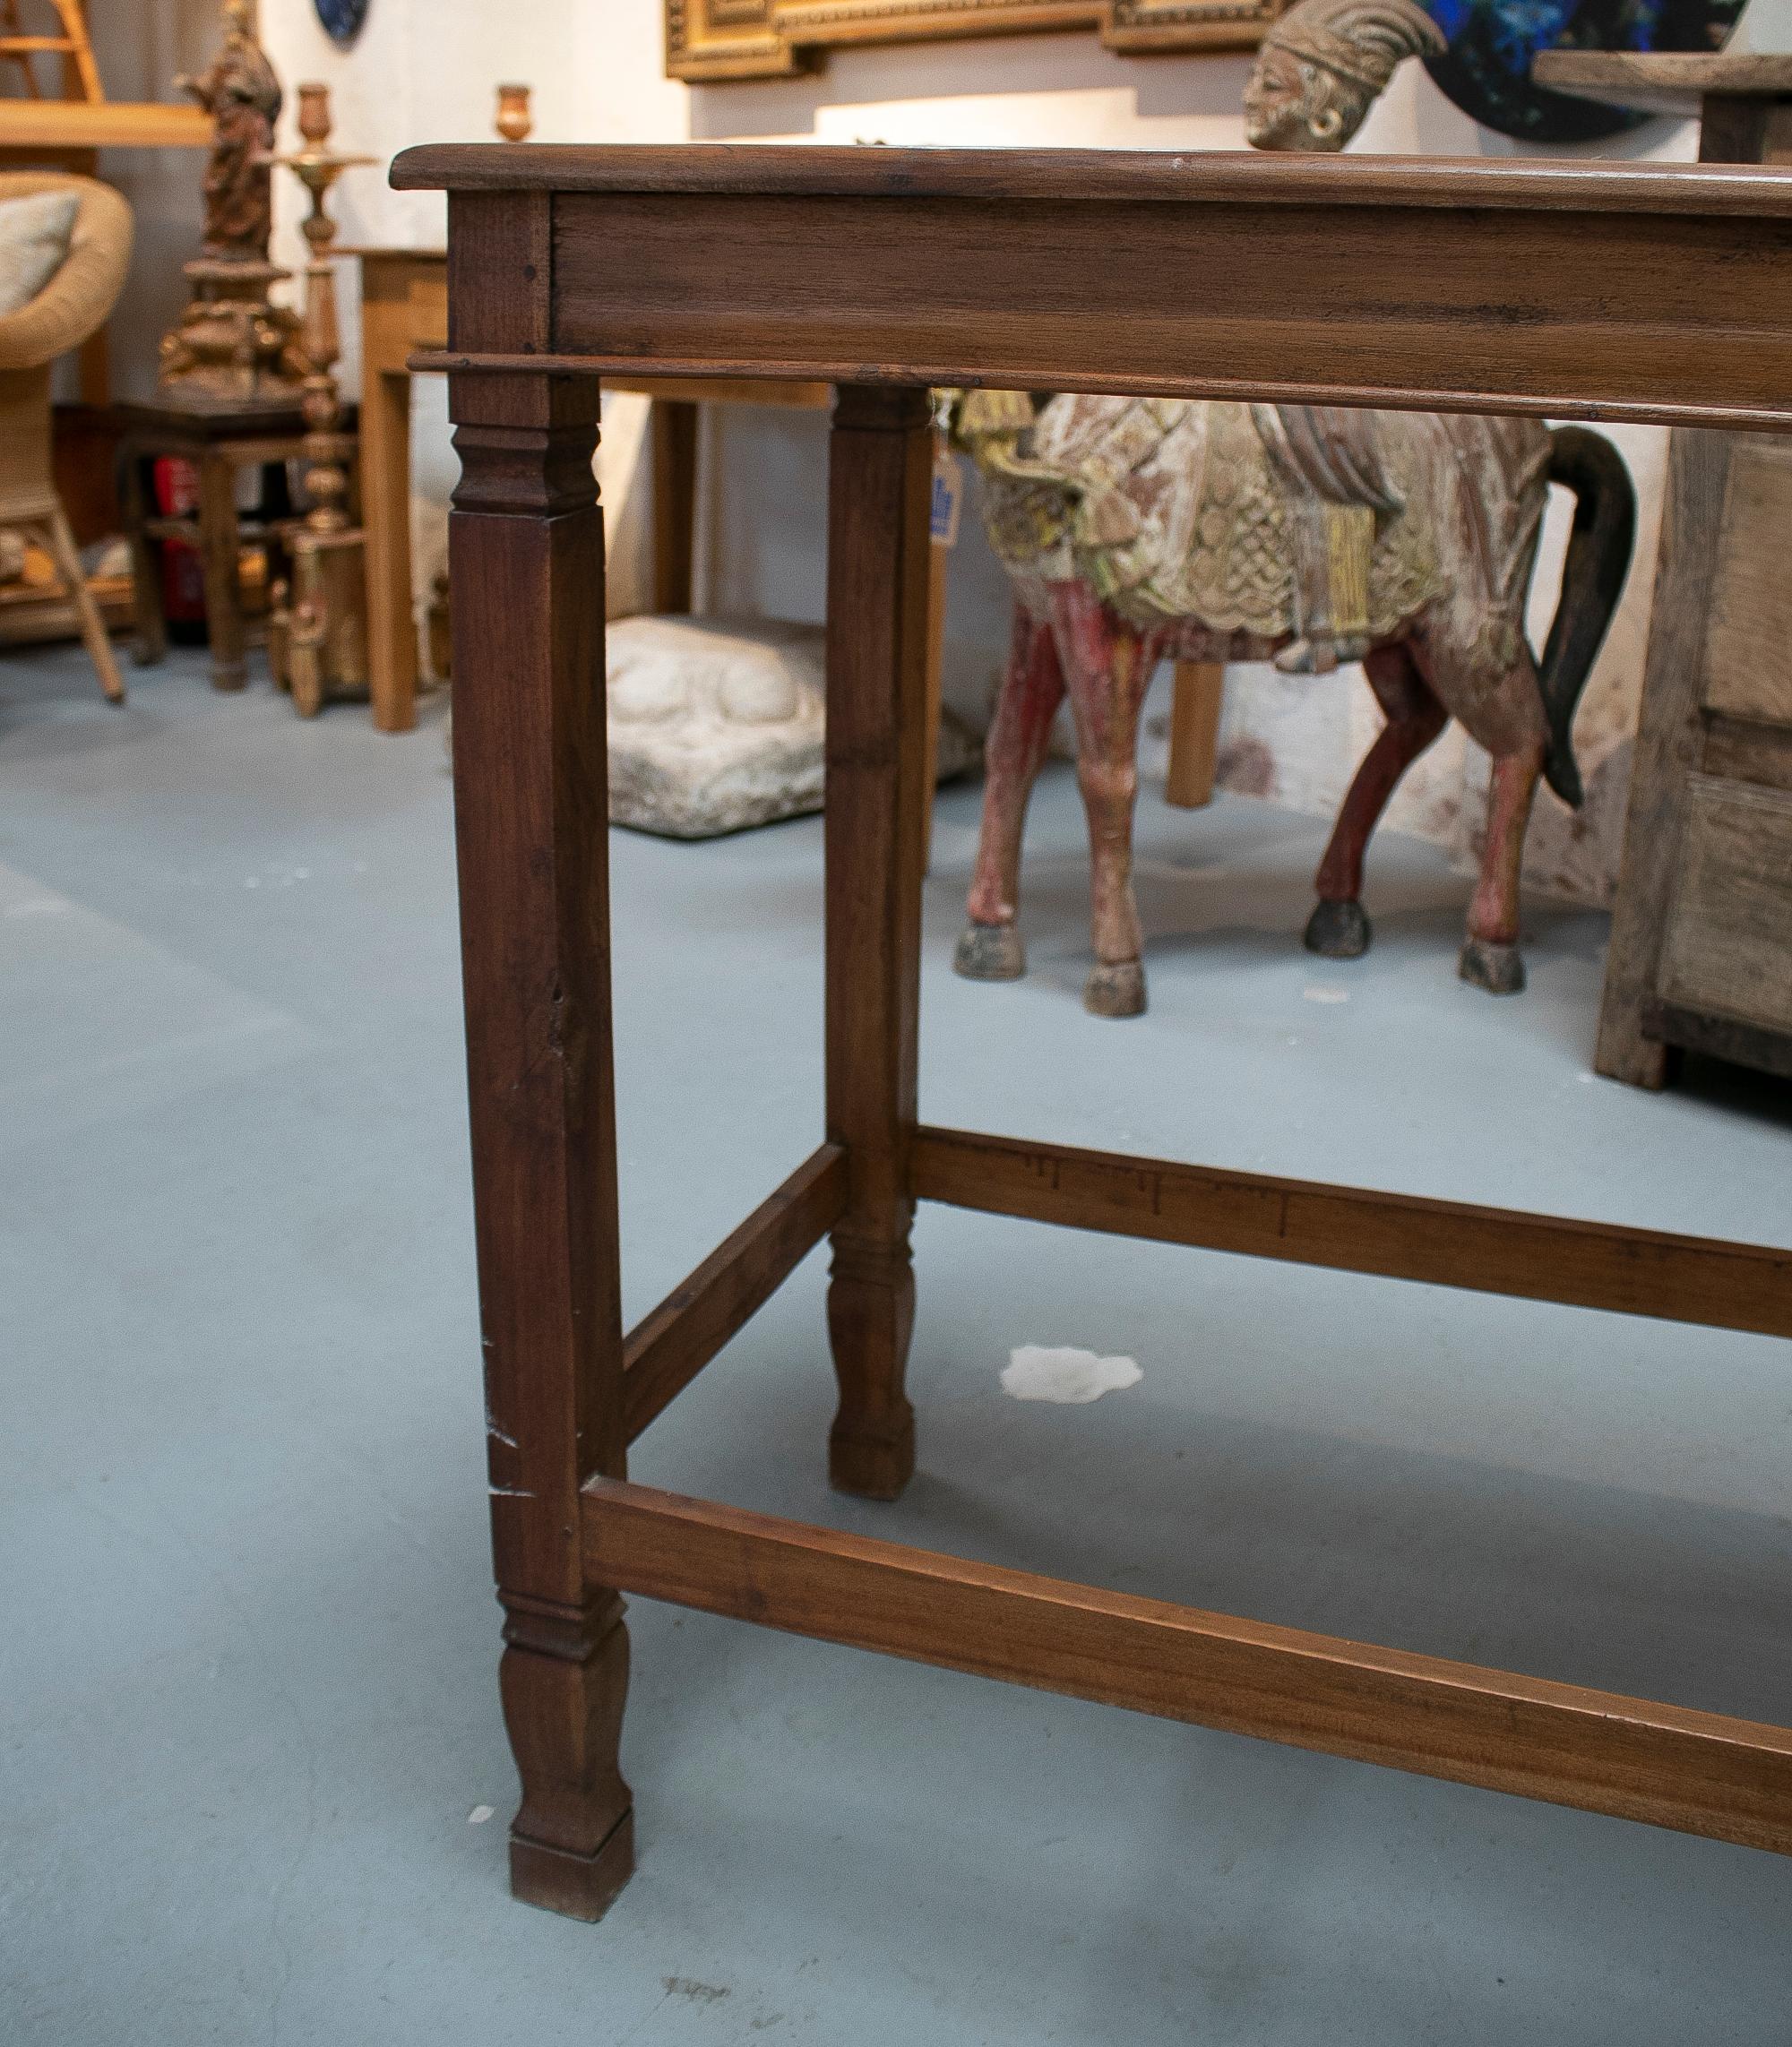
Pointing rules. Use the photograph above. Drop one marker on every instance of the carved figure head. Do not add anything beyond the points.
(1324, 63)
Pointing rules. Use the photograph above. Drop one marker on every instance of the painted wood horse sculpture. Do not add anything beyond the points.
(1137, 529)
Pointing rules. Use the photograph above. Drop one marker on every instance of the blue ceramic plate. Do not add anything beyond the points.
(1486, 69)
(342, 18)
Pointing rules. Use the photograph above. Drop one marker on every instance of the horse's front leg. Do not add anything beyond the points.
(1491, 959)
(1032, 688)
(1107, 665)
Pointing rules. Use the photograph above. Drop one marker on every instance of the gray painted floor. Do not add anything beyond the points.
(247, 1663)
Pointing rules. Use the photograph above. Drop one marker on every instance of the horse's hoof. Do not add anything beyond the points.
(1338, 931)
(1497, 969)
(990, 952)
(1116, 991)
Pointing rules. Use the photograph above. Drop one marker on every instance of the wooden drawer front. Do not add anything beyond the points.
(1729, 933)
(1748, 648)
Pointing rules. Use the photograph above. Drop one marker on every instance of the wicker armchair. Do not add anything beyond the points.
(76, 301)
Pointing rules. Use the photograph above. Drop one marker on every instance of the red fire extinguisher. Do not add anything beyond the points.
(176, 483)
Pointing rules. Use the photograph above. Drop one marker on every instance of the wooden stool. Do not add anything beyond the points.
(218, 444)
(1635, 291)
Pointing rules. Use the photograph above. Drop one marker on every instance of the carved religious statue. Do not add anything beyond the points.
(233, 347)
(243, 96)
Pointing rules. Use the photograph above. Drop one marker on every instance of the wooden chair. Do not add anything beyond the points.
(75, 46)
(75, 302)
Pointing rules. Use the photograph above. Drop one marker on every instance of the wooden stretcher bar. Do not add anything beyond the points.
(1699, 1772)
(1360, 1229)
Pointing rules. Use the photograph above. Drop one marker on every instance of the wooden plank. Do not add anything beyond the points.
(1746, 672)
(1669, 740)
(1740, 751)
(1728, 945)
(1663, 81)
(663, 1354)
(109, 125)
(1353, 1229)
(1699, 1772)
(1215, 179)
(1654, 292)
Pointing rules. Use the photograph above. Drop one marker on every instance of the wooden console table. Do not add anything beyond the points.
(1646, 292)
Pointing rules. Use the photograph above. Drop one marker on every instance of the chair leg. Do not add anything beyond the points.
(93, 634)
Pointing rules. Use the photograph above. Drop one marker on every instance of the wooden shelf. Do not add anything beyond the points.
(1662, 81)
(111, 124)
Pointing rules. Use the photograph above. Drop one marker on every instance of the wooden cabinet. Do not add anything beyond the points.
(1702, 935)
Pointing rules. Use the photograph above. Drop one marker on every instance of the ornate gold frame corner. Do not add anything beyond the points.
(718, 39)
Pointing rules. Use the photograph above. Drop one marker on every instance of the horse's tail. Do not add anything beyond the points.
(1592, 576)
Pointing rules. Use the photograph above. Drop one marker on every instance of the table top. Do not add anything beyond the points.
(1664, 81)
(1646, 291)
(1207, 177)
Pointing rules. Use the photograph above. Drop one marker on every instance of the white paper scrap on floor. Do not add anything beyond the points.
(1070, 1377)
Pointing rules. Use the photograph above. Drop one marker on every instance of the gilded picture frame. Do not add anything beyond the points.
(712, 39)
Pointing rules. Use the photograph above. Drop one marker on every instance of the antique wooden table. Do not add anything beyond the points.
(1647, 292)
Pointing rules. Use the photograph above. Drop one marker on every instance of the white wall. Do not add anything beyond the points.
(426, 70)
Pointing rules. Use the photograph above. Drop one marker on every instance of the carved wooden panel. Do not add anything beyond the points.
(773, 38)
(1748, 656)
(1729, 935)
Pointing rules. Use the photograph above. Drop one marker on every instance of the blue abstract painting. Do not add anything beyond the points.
(342, 18)
(1486, 69)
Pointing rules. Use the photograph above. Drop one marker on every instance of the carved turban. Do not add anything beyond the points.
(1361, 40)
(1324, 64)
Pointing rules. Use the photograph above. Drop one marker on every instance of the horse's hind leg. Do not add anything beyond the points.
(1339, 927)
(1107, 665)
(1491, 959)
(1032, 688)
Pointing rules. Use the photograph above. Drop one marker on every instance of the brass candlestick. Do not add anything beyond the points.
(323, 636)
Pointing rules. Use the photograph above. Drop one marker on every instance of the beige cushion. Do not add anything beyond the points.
(34, 238)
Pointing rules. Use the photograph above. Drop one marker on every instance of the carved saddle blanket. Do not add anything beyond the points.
(1176, 509)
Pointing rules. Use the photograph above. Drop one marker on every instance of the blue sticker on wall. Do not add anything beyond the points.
(342, 18)
(1486, 69)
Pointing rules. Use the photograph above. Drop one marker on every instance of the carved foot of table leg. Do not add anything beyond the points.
(871, 1315)
(564, 1679)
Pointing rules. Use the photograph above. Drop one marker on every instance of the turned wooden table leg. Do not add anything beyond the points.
(531, 824)
(879, 483)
